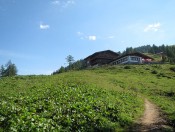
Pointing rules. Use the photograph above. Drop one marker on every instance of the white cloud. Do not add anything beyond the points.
(92, 38)
(87, 37)
(80, 33)
(68, 3)
(152, 27)
(63, 4)
(84, 36)
(44, 26)
(56, 2)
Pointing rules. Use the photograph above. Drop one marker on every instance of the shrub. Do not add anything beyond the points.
(127, 67)
(170, 93)
(161, 75)
(154, 72)
(172, 69)
(147, 69)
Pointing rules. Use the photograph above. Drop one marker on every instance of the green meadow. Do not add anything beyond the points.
(108, 98)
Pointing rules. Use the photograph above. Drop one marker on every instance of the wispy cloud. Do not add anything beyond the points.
(44, 26)
(69, 2)
(152, 27)
(92, 38)
(110, 37)
(56, 2)
(80, 33)
(87, 37)
(62, 3)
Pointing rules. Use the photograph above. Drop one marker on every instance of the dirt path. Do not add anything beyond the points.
(152, 120)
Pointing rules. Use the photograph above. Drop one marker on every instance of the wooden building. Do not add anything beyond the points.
(101, 58)
(132, 58)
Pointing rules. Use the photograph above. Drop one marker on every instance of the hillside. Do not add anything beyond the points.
(110, 98)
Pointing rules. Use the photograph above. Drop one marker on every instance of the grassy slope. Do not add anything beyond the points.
(118, 105)
(82, 101)
(152, 81)
(156, 57)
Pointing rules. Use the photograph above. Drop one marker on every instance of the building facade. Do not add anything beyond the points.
(101, 58)
(132, 58)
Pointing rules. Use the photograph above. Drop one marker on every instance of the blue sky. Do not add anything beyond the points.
(37, 35)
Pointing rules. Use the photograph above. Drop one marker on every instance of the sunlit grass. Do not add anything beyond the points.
(113, 89)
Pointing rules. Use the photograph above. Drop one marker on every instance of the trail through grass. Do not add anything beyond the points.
(109, 98)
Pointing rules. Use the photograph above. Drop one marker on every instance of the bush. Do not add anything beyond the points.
(147, 69)
(161, 75)
(154, 72)
(172, 69)
(127, 67)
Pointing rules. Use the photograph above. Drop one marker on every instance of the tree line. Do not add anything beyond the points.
(169, 51)
(72, 65)
(8, 70)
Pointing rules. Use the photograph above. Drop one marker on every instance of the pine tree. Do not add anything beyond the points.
(70, 59)
(10, 70)
(2, 71)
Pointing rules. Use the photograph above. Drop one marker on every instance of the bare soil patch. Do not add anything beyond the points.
(152, 120)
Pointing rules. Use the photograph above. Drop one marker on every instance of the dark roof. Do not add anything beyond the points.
(96, 53)
(136, 54)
